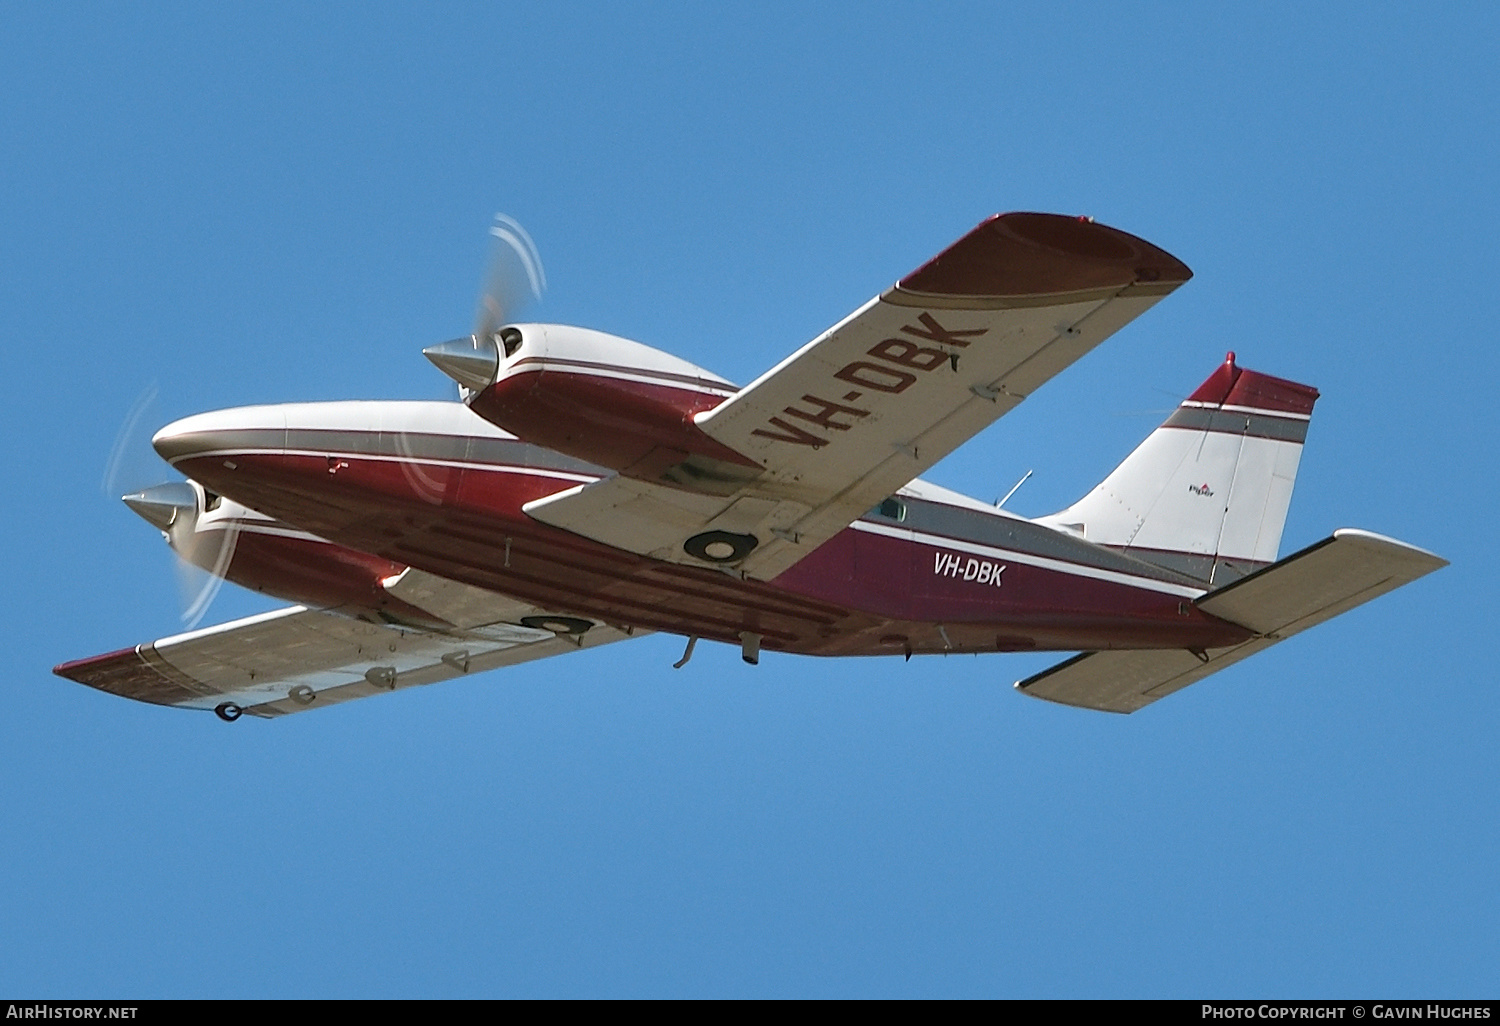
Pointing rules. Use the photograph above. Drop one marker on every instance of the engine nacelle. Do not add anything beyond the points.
(603, 399)
(234, 543)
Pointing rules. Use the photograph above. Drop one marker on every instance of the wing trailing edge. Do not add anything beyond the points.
(1305, 589)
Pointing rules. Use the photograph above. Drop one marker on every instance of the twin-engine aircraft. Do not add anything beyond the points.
(589, 489)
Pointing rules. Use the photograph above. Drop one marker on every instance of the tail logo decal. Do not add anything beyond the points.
(1202, 489)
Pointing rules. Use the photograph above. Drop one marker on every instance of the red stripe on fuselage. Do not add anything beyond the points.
(854, 595)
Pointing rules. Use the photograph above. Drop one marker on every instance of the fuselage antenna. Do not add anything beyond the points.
(1014, 489)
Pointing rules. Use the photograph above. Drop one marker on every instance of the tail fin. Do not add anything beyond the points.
(1207, 493)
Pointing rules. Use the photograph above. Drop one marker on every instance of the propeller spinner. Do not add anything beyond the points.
(176, 508)
(513, 281)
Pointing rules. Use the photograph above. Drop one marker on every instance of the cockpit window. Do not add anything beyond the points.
(892, 509)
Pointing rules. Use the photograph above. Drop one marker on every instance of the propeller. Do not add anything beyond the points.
(197, 525)
(513, 281)
(201, 528)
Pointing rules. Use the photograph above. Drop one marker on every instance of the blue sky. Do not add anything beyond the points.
(274, 203)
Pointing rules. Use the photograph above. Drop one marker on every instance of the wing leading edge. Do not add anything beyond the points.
(887, 392)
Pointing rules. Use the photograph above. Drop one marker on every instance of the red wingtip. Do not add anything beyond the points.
(82, 670)
(1025, 254)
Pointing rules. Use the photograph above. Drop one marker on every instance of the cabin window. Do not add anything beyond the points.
(892, 509)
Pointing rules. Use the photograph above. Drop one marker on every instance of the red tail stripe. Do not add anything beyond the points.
(1230, 385)
(1263, 392)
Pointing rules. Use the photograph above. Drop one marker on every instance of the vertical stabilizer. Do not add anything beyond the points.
(1207, 493)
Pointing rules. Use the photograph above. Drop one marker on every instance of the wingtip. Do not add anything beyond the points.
(1384, 541)
(1033, 254)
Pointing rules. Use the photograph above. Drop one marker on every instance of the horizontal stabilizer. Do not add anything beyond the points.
(1285, 598)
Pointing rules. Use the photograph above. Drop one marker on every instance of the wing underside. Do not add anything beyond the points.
(294, 659)
(883, 395)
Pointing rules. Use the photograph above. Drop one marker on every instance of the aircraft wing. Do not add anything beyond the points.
(1287, 597)
(294, 659)
(881, 396)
